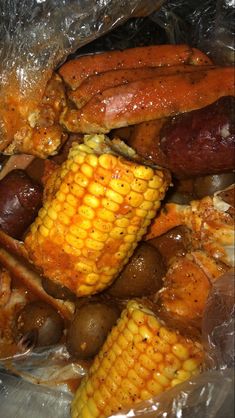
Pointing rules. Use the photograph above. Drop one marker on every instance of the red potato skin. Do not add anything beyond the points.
(75, 71)
(201, 142)
(148, 99)
(20, 200)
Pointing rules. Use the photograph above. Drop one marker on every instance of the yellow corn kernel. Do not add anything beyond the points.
(74, 241)
(145, 394)
(141, 213)
(77, 190)
(48, 223)
(77, 158)
(98, 236)
(91, 201)
(81, 179)
(71, 200)
(108, 161)
(96, 189)
(154, 387)
(87, 170)
(60, 196)
(92, 278)
(94, 210)
(122, 222)
(44, 231)
(151, 195)
(94, 245)
(190, 365)
(86, 212)
(180, 351)
(114, 196)
(183, 375)
(130, 376)
(175, 382)
(160, 378)
(117, 232)
(169, 336)
(92, 160)
(83, 267)
(120, 186)
(134, 199)
(106, 215)
(110, 205)
(102, 226)
(130, 238)
(69, 210)
(143, 172)
(155, 182)
(78, 232)
(139, 185)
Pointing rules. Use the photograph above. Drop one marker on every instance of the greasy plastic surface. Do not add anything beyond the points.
(37, 35)
(206, 24)
(208, 395)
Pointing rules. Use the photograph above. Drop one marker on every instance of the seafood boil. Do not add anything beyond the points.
(115, 229)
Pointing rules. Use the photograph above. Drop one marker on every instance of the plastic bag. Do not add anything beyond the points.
(200, 23)
(204, 396)
(206, 24)
(213, 390)
(37, 35)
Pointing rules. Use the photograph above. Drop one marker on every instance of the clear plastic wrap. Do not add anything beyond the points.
(35, 39)
(207, 395)
(206, 24)
(37, 35)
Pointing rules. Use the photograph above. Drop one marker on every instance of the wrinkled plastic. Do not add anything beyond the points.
(38, 35)
(203, 396)
(206, 24)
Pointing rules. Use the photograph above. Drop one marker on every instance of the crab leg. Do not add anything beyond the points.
(32, 280)
(5, 288)
(97, 83)
(75, 71)
(149, 99)
(210, 221)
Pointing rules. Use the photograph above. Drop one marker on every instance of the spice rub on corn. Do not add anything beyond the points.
(97, 207)
(140, 359)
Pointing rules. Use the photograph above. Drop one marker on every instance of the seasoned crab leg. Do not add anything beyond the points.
(97, 83)
(75, 71)
(32, 280)
(5, 287)
(149, 99)
(187, 285)
(210, 221)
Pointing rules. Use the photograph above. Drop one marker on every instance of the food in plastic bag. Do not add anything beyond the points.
(54, 366)
(36, 37)
(140, 358)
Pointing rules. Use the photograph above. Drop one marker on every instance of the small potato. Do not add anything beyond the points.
(20, 200)
(172, 243)
(41, 318)
(208, 185)
(90, 328)
(141, 276)
(57, 291)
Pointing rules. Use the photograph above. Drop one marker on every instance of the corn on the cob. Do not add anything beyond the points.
(140, 358)
(97, 207)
